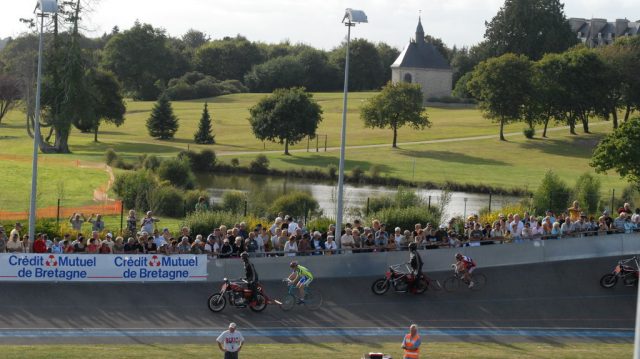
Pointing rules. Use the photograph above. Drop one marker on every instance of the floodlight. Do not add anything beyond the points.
(354, 16)
(47, 6)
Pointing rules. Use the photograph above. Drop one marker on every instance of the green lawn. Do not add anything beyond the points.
(326, 350)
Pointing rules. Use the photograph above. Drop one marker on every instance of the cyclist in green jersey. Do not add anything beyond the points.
(301, 277)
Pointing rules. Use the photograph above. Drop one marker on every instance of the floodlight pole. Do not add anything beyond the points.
(636, 341)
(338, 232)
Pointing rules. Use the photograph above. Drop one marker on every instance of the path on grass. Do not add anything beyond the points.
(550, 302)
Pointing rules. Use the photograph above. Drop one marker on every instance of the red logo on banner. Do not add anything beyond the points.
(154, 262)
(51, 261)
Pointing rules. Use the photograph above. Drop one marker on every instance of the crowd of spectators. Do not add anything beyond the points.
(286, 237)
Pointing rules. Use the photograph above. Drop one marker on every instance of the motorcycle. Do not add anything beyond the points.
(623, 270)
(400, 281)
(239, 296)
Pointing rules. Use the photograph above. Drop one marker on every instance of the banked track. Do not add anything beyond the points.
(546, 301)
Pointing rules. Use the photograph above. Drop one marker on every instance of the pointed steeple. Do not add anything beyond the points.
(419, 31)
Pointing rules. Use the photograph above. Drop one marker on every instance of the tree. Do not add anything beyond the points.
(587, 192)
(502, 85)
(366, 71)
(108, 104)
(552, 194)
(549, 92)
(619, 151)
(529, 27)
(227, 59)
(204, 134)
(398, 104)
(388, 56)
(286, 116)
(194, 38)
(162, 123)
(9, 94)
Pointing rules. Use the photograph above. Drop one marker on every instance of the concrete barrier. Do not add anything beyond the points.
(368, 264)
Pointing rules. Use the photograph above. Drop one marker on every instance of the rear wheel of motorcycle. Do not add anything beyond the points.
(608, 280)
(380, 286)
(260, 303)
(422, 285)
(217, 302)
(288, 302)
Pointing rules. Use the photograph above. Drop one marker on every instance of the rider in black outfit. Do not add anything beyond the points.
(415, 261)
(250, 274)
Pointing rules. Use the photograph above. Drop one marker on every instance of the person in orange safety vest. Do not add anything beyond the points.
(411, 343)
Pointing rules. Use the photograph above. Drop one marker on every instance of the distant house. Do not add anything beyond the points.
(599, 32)
(420, 62)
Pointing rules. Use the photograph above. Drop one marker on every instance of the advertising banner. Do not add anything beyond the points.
(102, 267)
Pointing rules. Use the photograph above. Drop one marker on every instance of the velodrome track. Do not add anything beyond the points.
(546, 302)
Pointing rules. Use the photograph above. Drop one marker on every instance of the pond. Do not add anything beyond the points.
(264, 189)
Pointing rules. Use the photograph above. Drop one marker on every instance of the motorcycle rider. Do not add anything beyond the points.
(415, 261)
(250, 275)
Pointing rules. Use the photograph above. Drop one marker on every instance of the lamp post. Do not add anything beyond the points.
(45, 7)
(350, 19)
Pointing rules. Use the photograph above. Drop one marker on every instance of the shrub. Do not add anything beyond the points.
(151, 162)
(167, 200)
(320, 224)
(333, 171)
(233, 201)
(529, 132)
(406, 197)
(490, 217)
(630, 194)
(259, 165)
(296, 204)
(374, 170)
(357, 174)
(204, 222)
(587, 192)
(235, 162)
(206, 160)
(134, 188)
(552, 194)
(178, 172)
(378, 203)
(406, 218)
(110, 156)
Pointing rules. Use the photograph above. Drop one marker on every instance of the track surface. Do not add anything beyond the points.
(559, 298)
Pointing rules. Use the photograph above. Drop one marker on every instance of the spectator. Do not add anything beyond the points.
(226, 249)
(292, 225)
(27, 244)
(147, 223)
(619, 223)
(202, 205)
(104, 248)
(16, 230)
(93, 247)
(97, 224)
(230, 342)
(196, 247)
(357, 239)
(626, 208)
(358, 225)
(57, 247)
(291, 247)
(186, 232)
(39, 245)
(268, 244)
(80, 246)
(242, 230)
(132, 222)
(318, 243)
(398, 238)
(76, 220)
(149, 244)
(556, 231)
(527, 232)
(108, 240)
(162, 238)
(330, 246)
(381, 236)
(68, 247)
(262, 238)
(304, 245)
(276, 226)
(131, 246)
(567, 227)
(369, 244)
(476, 235)
(607, 219)
(391, 246)
(497, 233)
(184, 247)
(275, 240)
(14, 245)
(212, 247)
(238, 246)
(3, 241)
(347, 242)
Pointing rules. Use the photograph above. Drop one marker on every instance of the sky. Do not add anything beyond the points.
(313, 22)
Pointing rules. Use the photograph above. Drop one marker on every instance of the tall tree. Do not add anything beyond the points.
(108, 103)
(530, 27)
(162, 123)
(549, 97)
(194, 38)
(502, 85)
(619, 151)
(204, 135)
(227, 59)
(365, 66)
(286, 116)
(9, 94)
(397, 105)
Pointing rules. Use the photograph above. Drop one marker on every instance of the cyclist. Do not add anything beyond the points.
(415, 262)
(301, 278)
(466, 266)
(250, 274)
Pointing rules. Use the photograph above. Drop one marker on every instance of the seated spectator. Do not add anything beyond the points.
(118, 246)
(196, 247)
(80, 246)
(226, 249)
(398, 238)
(291, 247)
(330, 246)
(626, 208)
(39, 245)
(527, 232)
(619, 223)
(184, 247)
(317, 243)
(14, 245)
(304, 245)
(92, 247)
(347, 242)
(104, 248)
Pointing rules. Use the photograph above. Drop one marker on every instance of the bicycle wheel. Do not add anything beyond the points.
(313, 300)
(435, 285)
(608, 280)
(479, 281)
(452, 284)
(288, 302)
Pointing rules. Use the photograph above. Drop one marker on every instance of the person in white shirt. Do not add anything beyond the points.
(347, 241)
(330, 246)
(291, 247)
(230, 342)
(293, 226)
(516, 226)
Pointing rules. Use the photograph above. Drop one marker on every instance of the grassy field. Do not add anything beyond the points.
(518, 163)
(326, 350)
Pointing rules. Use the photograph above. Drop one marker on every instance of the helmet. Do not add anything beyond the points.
(458, 255)
(413, 246)
(293, 264)
(244, 255)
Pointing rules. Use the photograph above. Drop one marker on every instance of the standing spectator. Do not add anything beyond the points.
(68, 247)
(39, 245)
(527, 233)
(242, 230)
(226, 249)
(381, 236)
(291, 247)
(304, 245)
(567, 227)
(476, 235)
(330, 246)
(104, 248)
(92, 247)
(291, 224)
(150, 246)
(76, 220)
(497, 233)
(347, 242)
(196, 247)
(358, 225)
(369, 244)
(411, 343)
(132, 222)
(399, 238)
(148, 222)
(14, 245)
(16, 230)
(130, 247)
(108, 240)
(186, 232)
(619, 223)
(317, 243)
(27, 244)
(262, 238)
(57, 247)
(202, 205)
(184, 247)
(574, 211)
(3, 241)
(97, 224)
(238, 247)
(276, 225)
(230, 342)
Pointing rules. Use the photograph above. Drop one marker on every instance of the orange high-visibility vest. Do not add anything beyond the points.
(411, 352)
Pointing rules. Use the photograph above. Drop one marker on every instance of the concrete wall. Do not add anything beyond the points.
(367, 264)
(434, 82)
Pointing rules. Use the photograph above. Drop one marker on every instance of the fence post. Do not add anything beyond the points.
(58, 215)
(245, 208)
(613, 195)
(308, 142)
(489, 202)
(429, 202)
(121, 217)
(184, 208)
(325, 142)
(317, 143)
(464, 216)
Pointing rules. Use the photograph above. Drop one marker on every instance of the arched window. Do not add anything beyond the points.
(407, 78)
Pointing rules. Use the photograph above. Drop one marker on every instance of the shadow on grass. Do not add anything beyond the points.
(448, 156)
(325, 161)
(580, 146)
(125, 147)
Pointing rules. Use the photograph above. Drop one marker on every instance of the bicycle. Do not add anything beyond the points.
(457, 280)
(313, 298)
